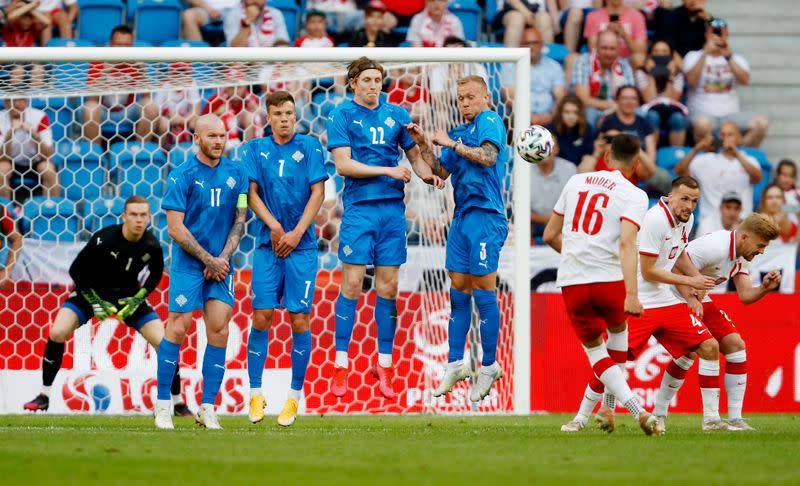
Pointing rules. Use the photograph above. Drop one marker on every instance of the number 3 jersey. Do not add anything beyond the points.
(593, 205)
(207, 196)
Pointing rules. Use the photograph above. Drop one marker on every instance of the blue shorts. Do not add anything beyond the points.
(77, 304)
(189, 291)
(286, 283)
(474, 242)
(374, 232)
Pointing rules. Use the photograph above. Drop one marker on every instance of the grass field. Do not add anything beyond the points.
(493, 450)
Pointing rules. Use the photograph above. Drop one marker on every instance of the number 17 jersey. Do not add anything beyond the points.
(593, 205)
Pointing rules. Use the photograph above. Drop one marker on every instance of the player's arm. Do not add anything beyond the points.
(426, 152)
(263, 213)
(186, 240)
(84, 272)
(628, 258)
(347, 167)
(129, 305)
(485, 155)
(749, 294)
(290, 240)
(422, 168)
(552, 232)
(689, 277)
(237, 230)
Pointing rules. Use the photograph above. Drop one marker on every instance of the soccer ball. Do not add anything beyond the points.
(535, 144)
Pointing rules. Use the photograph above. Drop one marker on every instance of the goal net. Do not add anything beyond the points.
(83, 129)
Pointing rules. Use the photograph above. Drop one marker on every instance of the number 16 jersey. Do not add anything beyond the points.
(593, 205)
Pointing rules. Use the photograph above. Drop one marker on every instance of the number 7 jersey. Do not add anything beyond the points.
(593, 205)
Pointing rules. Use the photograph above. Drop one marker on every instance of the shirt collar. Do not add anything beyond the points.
(732, 248)
(667, 211)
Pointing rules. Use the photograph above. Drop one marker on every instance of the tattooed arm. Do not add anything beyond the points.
(424, 150)
(485, 155)
(235, 234)
(216, 267)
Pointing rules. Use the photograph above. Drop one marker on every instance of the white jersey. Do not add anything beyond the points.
(714, 255)
(664, 237)
(593, 205)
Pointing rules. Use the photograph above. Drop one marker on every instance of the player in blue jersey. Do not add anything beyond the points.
(475, 155)
(366, 136)
(206, 204)
(287, 186)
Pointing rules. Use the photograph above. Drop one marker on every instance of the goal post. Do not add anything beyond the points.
(277, 65)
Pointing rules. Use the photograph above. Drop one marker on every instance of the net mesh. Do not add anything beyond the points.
(82, 137)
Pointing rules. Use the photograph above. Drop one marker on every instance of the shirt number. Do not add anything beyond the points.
(128, 266)
(377, 135)
(280, 167)
(592, 218)
(215, 195)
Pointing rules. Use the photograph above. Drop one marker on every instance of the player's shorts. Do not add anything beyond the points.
(674, 326)
(593, 307)
(374, 232)
(287, 283)
(717, 321)
(189, 291)
(76, 303)
(474, 242)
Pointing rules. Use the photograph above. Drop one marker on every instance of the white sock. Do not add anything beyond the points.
(341, 359)
(46, 391)
(589, 401)
(164, 403)
(710, 395)
(669, 387)
(255, 392)
(384, 360)
(613, 379)
(176, 399)
(208, 407)
(296, 394)
(735, 385)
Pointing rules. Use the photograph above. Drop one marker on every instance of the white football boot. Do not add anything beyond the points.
(163, 415)
(207, 417)
(573, 426)
(453, 373)
(486, 378)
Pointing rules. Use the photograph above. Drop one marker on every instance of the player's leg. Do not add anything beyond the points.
(216, 314)
(733, 348)
(69, 317)
(671, 382)
(386, 281)
(151, 328)
(301, 354)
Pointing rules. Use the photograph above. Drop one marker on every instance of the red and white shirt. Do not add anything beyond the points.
(306, 41)
(593, 205)
(664, 237)
(268, 29)
(174, 101)
(115, 76)
(333, 5)
(37, 119)
(426, 31)
(714, 255)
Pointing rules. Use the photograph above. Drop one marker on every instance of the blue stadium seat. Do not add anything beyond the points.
(138, 168)
(61, 42)
(98, 18)
(53, 219)
(291, 14)
(470, 15)
(103, 212)
(556, 52)
(81, 169)
(157, 21)
(668, 157)
(184, 43)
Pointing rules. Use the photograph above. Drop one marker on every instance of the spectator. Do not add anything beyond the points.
(549, 85)
(661, 83)
(25, 25)
(400, 13)
(713, 75)
(27, 144)
(261, 26)
(719, 172)
(730, 210)
(597, 75)
(441, 76)
(515, 15)
(115, 108)
(203, 12)
(11, 237)
(407, 91)
(772, 203)
(238, 108)
(547, 179)
(571, 19)
(628, 23)
(344, 15)
(625, 120)
(598, 160)
(173, 111)
(433, 25)
(574, 135)
(372, 35)
(316, 31)
(62, 14)
(786, 177)
(683, 27)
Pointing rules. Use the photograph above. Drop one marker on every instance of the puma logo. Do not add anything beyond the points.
(359, 123)
(344, 318)
(265, 155)
(48, 361)
(219, 366)
(483, 264)
(171, 362)
(254, 352)
(304, 302)
(202, 184)
(114, 254)
(301, 353)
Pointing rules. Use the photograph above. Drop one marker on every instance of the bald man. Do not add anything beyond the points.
(206, 206)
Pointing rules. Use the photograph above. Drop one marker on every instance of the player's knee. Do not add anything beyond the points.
(732, 343)
(300, 323)
(387, 289)
(709, 349)
(351, 286)
(262, 319)
(59, 334)
(575, 16)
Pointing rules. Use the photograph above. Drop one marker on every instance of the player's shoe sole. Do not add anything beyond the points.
(451, 377)
(573, 426)
(289, 413)
(339, 382)
(39, 404)
(605, 419)
(385, 377)
(257, 406)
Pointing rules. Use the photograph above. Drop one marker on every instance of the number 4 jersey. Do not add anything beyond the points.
(593, 205)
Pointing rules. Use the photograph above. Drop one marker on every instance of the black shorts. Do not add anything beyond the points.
(80, 306)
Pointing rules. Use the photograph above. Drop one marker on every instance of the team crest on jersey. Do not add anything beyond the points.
(231, 182)
(389, 121)
(297, 156)
(347, 250)
(181, 300)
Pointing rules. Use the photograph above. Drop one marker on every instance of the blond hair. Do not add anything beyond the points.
(760, 225)
(474, 79)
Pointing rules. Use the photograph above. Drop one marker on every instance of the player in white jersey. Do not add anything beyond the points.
(594, 226)
(662, 240)
(724, 255)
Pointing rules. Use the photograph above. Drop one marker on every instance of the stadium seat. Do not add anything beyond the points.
(81, 169)
(556, 52)
(98, 18)
(53, 219)
(157, 21)
(668, 157)
(103, 212)
(61, 42)
(291, 14)
(470, 15)
(184, 43)
(138, 168)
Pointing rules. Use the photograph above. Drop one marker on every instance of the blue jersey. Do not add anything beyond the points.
(207, 196)
(284, 174)
(474, 185)
(375, 138)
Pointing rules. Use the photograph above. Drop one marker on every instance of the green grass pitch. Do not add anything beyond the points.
(383, 450)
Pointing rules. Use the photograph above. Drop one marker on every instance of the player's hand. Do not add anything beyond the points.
(702, 282)
(214, 13)
(633, 306)
(416, 134)
(696, 307)
(102, 309)
(130, 304)
(288, 243)
(217, 268)
(434, 180)
(442, 139)
(399, 173)
(275, 236)
(771, 280)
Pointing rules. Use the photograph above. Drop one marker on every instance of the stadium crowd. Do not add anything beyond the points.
(663, 71)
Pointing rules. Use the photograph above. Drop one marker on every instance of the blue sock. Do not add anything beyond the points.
(257, 346)
(486, 300)
(345, 319)
(213, 371)
(301, 353)
(457, 329)
(386, 318)
(167, 357)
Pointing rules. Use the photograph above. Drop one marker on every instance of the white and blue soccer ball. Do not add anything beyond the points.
(535, 144)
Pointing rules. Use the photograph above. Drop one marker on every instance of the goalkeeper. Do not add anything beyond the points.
(113, 274)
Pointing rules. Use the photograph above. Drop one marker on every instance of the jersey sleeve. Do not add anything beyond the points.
(448, 159)
(84, 267)
(635, 208)
(177, 193)
(651, 235)
(701, 251)
(744, 267)
(337, 130)
(316, 162)
(491, 130)
(405, 140)
(156, 265)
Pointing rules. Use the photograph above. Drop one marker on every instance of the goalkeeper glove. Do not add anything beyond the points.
(130, 304)
(102, 309)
